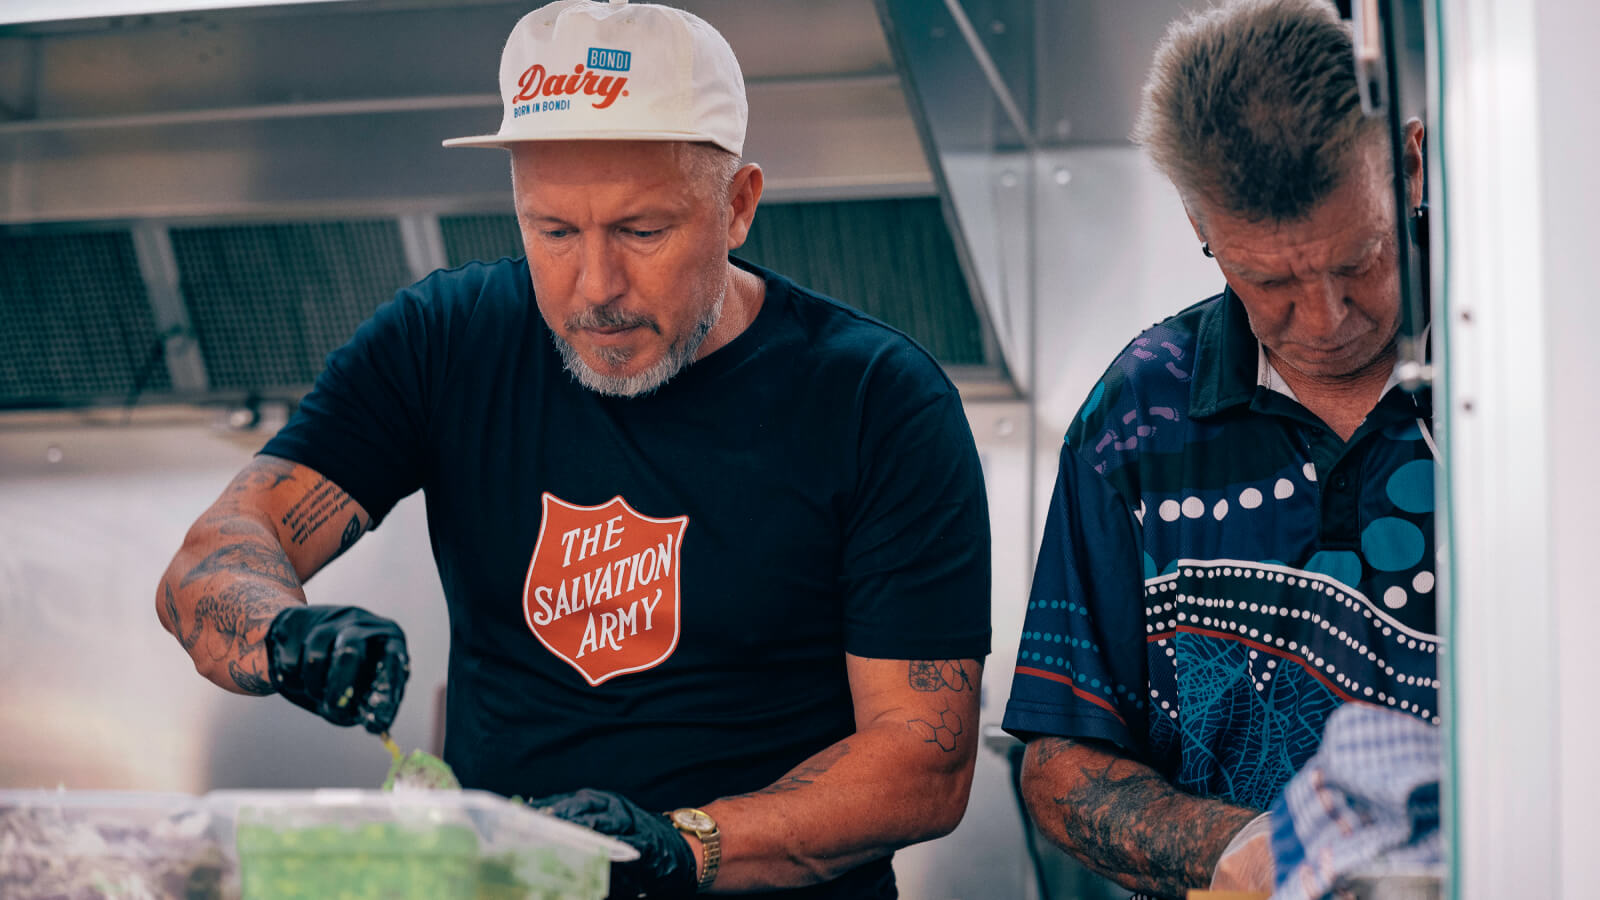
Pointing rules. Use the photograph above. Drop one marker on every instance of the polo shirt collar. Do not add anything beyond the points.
(1225, 371)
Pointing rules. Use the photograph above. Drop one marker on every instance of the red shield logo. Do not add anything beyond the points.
(602, 590)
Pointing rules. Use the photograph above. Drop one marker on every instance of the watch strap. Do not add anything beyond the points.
(710, 843)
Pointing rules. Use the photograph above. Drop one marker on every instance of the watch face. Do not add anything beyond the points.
(693, 819)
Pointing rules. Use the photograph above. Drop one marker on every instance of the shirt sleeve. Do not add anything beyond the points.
(364, 424)
(915, 562)
(1082, 667)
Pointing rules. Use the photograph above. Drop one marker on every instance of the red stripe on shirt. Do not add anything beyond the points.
(1265, 648)
(1067, 680)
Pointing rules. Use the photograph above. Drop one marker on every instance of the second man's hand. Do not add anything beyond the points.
(666, 866)
(343, 663)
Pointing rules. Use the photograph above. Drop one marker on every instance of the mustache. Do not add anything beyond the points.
(608, 317)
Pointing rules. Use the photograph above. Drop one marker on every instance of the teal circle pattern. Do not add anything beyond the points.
(1410, 487)
(1392, 545)
(1341, 565)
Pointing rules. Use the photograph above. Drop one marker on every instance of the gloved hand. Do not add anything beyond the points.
(341, 662)
(666, 866)
(1246, 863)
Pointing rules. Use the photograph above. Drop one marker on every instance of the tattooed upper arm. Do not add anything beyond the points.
(929, 675)
(313, 519)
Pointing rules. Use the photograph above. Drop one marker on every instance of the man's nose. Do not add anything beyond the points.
(600, 275)
(1322, 307)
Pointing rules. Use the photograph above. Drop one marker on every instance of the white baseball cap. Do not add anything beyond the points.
(587, 70)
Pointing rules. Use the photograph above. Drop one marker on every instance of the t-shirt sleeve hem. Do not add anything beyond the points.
(969, 645)
(1027, 720)
(351, 482)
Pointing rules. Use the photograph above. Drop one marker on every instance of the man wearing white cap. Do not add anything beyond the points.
(715, 547)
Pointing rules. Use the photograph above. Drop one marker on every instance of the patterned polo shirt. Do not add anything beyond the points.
(1220, 571)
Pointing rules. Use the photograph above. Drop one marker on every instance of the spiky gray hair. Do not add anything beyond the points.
(1252, 107)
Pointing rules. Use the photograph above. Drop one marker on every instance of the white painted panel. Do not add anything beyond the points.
(1570, 130)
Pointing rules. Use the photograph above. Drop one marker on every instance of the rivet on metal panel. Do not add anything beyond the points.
(1466, 406)
(1063, 129)
(53, 453)
(937, 32)
(1062, 176)
(1466, 315)
(1008, 179)
(997, 27)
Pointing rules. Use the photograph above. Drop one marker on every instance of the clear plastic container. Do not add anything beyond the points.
(76, 845)
(377, 845)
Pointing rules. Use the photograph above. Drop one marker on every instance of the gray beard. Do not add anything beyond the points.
(675, 360)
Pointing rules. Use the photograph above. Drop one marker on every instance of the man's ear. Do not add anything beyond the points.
(1194, 220)
(743, 198)
(1412, 159)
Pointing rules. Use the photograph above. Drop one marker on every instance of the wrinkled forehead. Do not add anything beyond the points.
(609, 184)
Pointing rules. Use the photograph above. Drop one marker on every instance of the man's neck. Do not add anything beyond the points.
(740, 306)
(1341, 403)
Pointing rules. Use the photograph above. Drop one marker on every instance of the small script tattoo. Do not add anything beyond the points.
(928, 675)
(313, 510)
(805, 774)
(943, 730)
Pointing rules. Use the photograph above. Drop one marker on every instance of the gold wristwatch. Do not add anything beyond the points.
(696, 822)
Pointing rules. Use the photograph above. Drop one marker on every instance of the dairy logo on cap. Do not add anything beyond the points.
(580, 70)
(541, 91)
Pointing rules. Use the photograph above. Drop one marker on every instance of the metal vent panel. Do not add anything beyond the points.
(484, 238)
(892, 259)
(269, 302)
(76, 322)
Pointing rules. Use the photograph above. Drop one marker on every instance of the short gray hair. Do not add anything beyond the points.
(714, 167)
(1253, 107)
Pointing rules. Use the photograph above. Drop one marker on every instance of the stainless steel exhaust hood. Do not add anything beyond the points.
(243, 186)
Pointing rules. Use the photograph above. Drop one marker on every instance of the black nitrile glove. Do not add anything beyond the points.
(665, 867)
(341, 662)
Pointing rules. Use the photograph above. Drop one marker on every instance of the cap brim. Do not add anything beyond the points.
(505, 141)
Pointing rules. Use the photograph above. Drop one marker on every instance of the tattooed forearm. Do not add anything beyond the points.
(1047, 748)
(238, 616)
(928, 675)
(187, 639)
(943, 730)
(249, 682)
(1125, 821)
(246, 558)
(806, 773)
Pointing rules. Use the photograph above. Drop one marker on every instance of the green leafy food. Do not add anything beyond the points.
(392, 861)
(420, 770)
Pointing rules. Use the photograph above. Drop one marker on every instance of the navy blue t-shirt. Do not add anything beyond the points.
(655, 595)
